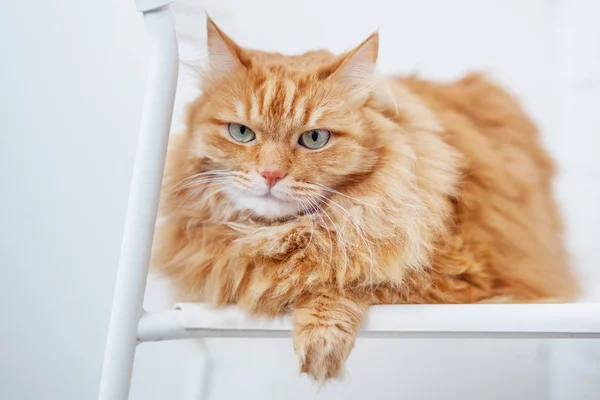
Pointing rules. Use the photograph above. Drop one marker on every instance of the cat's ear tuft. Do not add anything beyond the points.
(224, 55)
(357, 67)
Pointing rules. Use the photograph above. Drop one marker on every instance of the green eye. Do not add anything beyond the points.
(314, 139)
(241, 133)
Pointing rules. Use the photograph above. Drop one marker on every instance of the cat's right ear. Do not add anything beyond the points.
(224, 55)
(355, 69)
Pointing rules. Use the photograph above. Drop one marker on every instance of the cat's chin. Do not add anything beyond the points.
(269, 207)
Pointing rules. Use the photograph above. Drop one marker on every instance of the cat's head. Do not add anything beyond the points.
(277, 133)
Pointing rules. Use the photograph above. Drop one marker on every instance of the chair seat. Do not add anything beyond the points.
(575, 320)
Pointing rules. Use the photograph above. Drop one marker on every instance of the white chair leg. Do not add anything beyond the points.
(143, 203)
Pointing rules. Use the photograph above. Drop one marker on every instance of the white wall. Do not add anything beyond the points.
(72, 79)
(71, 85)
(578, 141)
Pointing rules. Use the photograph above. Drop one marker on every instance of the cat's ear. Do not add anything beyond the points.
(224, 55)
(357, 68)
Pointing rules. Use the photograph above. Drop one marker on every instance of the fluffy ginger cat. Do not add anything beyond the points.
(308, 184)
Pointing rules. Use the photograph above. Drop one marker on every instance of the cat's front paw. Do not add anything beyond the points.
(322, 349)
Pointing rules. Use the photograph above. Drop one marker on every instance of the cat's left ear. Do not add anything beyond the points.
(357, 68)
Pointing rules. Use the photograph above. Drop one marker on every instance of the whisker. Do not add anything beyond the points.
(197, 192)
(331, 190)
(200, 186)
(314, 206)
(341, 241)
(211, 173)
(361, 233)
(198, 181)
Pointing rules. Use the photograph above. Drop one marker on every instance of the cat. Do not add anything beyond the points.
(309, 184)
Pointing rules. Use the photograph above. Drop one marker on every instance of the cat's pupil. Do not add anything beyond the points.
(242, 129)
(314, 136)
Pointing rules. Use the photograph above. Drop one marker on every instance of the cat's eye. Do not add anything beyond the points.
(241, 133)
(314, 139)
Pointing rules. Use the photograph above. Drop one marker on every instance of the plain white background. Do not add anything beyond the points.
(71, 86)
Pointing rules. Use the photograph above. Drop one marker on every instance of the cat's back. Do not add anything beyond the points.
(492, 131)
(505, 217)
(482, 119)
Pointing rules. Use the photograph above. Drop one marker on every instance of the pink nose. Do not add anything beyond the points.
(272, 177)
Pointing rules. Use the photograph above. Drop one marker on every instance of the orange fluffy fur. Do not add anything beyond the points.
(425, 193)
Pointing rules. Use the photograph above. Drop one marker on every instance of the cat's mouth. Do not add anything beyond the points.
(266, 205)
(270, 196)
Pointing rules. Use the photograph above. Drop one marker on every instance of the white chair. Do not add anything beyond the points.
(130, 325)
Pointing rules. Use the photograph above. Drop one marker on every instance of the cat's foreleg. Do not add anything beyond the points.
(325, 327)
